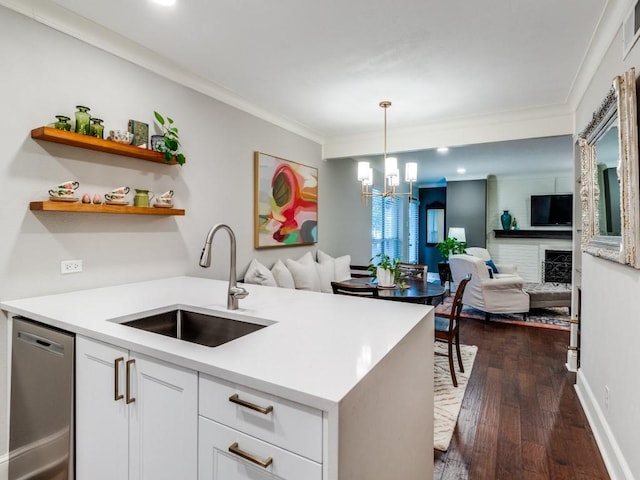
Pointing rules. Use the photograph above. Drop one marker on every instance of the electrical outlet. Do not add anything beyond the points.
(70, 266)
(606, 397)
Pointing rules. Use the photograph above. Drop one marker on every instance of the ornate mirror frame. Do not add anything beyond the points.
(620, 103)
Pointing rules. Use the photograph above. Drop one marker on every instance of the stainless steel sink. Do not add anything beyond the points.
(209, 330)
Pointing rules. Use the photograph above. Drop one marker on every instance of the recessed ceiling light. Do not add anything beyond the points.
(165, 3)
(443, 149)
(461, 170)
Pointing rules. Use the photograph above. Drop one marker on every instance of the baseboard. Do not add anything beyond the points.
(4, 467)
(611, 454)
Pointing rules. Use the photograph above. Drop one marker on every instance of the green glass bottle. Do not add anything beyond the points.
(82, 120)
(62, 123)
(96, 128)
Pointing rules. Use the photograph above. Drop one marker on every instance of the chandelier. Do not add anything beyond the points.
(391, 172)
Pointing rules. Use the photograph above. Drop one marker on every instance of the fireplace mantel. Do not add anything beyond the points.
(556, 234)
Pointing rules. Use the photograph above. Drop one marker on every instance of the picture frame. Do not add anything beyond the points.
(285, 202)
(140, 132)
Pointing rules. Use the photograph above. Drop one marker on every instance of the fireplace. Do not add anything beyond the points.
(556, 267)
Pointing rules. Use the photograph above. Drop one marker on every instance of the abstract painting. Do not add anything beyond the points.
(286, 202)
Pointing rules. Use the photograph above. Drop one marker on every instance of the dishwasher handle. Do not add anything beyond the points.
(41, 343)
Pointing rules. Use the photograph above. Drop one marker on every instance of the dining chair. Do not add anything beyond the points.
(447, 329)
(354, 290)
(414, 270)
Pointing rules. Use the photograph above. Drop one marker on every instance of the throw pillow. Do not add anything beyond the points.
(306, 259)
(341, 265)
(492, 265)
(258, 274)
(326, 273)
(282, 275)
(305, 275)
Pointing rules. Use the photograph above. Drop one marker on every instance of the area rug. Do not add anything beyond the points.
(447, 398)
(557, 318)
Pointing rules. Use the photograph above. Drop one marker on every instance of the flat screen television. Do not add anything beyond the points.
(551, 210)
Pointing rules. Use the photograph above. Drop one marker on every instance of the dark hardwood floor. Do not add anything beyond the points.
(520, 418)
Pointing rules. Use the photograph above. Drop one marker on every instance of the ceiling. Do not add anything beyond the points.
(323, 67)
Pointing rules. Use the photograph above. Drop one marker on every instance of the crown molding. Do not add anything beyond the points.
(65, 21)
(606, 30)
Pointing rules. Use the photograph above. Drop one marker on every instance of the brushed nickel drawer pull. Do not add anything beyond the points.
(129, 399)
(116, 379)
(236, 399)
(235, 449)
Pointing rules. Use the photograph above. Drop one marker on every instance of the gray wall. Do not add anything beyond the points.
(467, 207)
(45, 73)
(348, 216)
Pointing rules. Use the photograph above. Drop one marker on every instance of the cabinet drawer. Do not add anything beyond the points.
(287, 424)
(217, 462)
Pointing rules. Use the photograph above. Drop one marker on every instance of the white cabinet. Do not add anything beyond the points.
(136, 417)
(247, 434)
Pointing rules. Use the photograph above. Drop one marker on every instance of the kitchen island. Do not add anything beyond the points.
(363, 367)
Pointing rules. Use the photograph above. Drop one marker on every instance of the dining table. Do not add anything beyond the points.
(408, 289)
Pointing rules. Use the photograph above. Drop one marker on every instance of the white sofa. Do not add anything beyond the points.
(491, 295)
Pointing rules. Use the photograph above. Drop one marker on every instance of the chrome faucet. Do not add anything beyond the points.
(234, 293)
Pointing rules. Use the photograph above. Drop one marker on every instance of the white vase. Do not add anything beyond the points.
(385, 277)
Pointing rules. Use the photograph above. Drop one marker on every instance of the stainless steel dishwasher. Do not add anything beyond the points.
(41, 410)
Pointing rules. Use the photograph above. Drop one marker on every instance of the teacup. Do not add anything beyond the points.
(168, 194)
(120, 191)
(70, 185)
(61, 192)
(114, 196)
(164, 200)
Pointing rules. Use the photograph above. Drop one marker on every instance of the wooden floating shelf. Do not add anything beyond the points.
(50, 134)
(77, 207)
(557, 234)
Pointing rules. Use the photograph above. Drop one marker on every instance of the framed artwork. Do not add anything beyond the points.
(286, 202)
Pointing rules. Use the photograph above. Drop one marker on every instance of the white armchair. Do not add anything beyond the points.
(504, 269)
(491, 295)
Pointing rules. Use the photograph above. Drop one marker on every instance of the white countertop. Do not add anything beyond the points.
(315, 351)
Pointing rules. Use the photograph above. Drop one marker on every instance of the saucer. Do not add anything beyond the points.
(64, 199)
(163, 205)
(117, 202)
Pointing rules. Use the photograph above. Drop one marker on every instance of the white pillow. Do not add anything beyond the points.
(258, 274)
(326, 273)
(307, 259)
(305, 275)
(282, 275)
(341, 265)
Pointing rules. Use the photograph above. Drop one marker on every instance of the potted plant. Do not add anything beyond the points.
(385, 270)
(451, 246)
(169, 143)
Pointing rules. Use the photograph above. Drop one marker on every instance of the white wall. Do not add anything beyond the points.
(513, 193)
(609, 321)
(45, 73)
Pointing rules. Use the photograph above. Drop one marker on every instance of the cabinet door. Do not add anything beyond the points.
(102, 442)
(163, 421)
